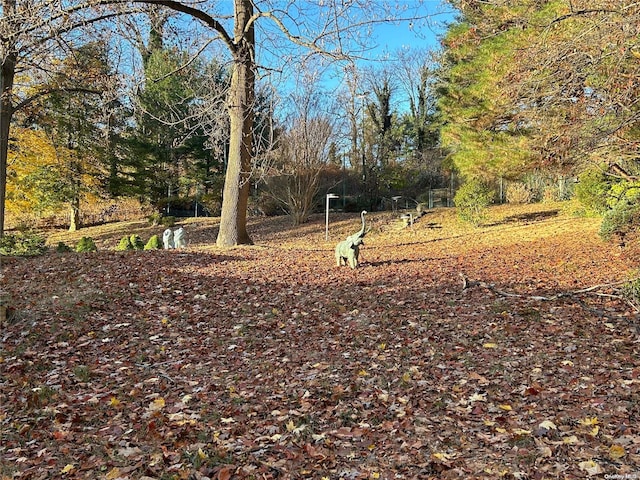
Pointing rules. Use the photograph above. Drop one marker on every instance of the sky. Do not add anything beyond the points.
(386, 40)
(423, 35)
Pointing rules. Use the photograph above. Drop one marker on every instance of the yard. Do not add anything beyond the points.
(505, 351)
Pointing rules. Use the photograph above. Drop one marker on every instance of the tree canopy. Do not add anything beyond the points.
(534, 84)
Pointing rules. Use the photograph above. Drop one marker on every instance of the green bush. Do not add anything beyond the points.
(63, 248)
(125, 244)
(86, 244)
(592, 190)
(623, 218)
(631, 289)
(155, 218)
(472, 200)
(24, 244)
(153, 243)
(136, 242)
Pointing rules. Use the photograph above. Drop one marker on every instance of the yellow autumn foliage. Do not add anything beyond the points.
(29, 150)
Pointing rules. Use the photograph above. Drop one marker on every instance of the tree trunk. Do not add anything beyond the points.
(235, 198)
(74, 222)
(7, 75)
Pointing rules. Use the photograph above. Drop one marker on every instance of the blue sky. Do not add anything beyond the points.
(423, 35)
(387, 39)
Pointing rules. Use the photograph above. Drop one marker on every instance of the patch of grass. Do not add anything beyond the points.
(42, 395)
(82, 373)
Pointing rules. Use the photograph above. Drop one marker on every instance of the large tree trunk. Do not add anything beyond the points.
(7, 75)
(233, 222)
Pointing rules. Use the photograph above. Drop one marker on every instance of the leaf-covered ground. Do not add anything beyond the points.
(271, 362)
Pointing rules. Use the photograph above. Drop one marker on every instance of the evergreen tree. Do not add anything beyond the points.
(480, 123)
(72, 117)
(177, 146)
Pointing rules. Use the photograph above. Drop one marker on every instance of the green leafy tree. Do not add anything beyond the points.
(180, 141)
(74, 124)
(550, 85)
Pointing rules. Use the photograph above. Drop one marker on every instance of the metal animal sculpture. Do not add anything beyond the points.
(348, 251)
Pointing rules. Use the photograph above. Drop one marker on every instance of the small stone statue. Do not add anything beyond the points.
(167, 239)
(179, 238)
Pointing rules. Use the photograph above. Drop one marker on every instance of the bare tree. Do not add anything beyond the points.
(334, 29)
(302, 156)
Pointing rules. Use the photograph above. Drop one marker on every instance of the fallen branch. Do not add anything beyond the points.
(466, 283)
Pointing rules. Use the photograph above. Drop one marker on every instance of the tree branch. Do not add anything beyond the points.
(466, 283)
(43, 93)
(195, 13)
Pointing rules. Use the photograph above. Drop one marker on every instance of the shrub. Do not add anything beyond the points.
(136, 242)
(168, 221)
(623, 218)
(631, 289)
(125, 244)
(86, 244)
(24, 244)
(153, 243)
(519, 192)
(155, 218)
(623, 215)
(63, 248)
(472, 200)
(592, 190)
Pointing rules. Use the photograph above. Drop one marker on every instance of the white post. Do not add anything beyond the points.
(196, 200)
(326, 222)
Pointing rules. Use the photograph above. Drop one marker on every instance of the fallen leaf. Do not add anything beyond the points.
(157, 405)
(443, 456)
(548, 425)
(113, 474)
(616, 452)
(225, 473)
(478, 397)
(572, 440)
(588, 421)
(591, 467)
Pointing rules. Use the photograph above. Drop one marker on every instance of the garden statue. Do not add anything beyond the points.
(179, 238)
(348, 251)
(167, 239)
